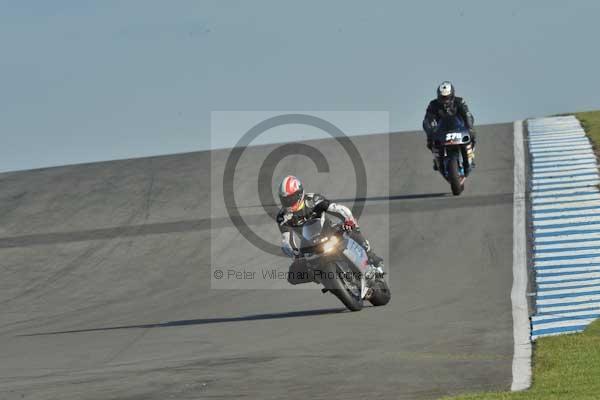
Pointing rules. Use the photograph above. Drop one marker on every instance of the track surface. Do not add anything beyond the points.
(122, 252)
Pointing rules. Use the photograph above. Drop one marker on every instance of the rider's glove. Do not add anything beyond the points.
(349, 225)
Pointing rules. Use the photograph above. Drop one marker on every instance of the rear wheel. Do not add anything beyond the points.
(456, 183)
(346, 286)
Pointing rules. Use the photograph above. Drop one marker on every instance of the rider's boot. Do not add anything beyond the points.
(376, 262)
(468, 155)
(375, 269)
(472, 160)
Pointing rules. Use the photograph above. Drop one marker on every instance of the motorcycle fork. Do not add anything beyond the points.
(461, 161)
(464, 151)
(439, 159)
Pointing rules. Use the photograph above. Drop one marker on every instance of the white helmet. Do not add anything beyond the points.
(445, 92)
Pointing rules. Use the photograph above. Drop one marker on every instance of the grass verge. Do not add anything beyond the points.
(591, 123)
(565, 367)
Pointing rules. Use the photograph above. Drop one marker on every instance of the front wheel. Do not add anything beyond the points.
(381, 293)
(346, 286)
(454, 177)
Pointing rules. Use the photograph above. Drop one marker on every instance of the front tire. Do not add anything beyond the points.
(454, 177)
(381, 293)
(336, 285)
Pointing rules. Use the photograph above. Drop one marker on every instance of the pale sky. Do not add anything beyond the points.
(98, 80)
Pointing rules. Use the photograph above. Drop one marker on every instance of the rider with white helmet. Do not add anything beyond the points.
(447, 104)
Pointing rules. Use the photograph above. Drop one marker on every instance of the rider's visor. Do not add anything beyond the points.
(293, 202)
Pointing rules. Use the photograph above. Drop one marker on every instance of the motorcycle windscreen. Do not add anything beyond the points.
(451, 131)
(304, 236)
(311, 230)
(451, 124)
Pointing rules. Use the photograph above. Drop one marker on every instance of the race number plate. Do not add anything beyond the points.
(356, 254)
(450, 137)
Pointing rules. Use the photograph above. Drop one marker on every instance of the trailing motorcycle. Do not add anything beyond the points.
(330, 257)
(453, 152)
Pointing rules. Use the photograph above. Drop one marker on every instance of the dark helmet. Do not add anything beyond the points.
(445, 92)
(291, 194)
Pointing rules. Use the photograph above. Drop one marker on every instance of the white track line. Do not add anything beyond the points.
(521, 366)
(560, 301)
(563, 206)
(573, 143)
(568, 290)
(562, 157)
(570, 237)
(560, 163)
(591, 196)
(548, 148)
(541, 192)
(568, 264)
(569, 167)
(557, 309)
(569, 252)
(580, 228)
(566, 172)
(562, 324)
(567, 278)
(565, 270)
(545, 150)
(559, 184)
(573, 245)
(541, 318)
(556, 137)
(572, 220)
(555, 155)
(570, 283)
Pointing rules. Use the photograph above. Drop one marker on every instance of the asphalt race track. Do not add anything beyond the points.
(105, 281)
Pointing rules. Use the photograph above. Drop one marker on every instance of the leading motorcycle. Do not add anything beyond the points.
(336, 261)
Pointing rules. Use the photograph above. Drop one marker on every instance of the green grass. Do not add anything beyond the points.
(591, 123)
(566, 367)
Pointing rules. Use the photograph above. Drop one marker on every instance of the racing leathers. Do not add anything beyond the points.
(315, 205)
(437, 110)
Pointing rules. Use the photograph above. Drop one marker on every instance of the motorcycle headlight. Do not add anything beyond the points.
(330, 244)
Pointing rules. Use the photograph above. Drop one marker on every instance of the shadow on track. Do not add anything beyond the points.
(191, 225)
(367, 199)
(202, 321)
(393, 197)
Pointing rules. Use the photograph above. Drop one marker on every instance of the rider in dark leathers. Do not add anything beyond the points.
(299, 207)
(447, 104)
